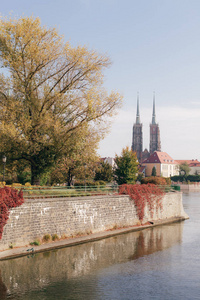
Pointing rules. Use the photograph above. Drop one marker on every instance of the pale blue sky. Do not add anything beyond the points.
(154, 46)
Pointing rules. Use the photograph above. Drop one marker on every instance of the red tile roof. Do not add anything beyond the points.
(194, 164)
(160, 158)
(141, 169)
(191, 162)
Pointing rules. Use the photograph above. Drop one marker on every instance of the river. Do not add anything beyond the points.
(158, 263)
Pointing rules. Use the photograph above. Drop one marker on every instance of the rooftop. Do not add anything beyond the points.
(160, 158)
(190, 162)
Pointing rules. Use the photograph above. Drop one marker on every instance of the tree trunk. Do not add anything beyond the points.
(35, 179)
(69, 178)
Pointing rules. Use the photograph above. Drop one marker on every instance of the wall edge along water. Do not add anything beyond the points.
(81, 219)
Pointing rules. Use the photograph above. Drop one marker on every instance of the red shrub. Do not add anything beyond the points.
(9, 197)
(144, 194)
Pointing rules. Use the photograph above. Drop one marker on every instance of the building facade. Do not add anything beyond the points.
(193, 164)
(164, 164)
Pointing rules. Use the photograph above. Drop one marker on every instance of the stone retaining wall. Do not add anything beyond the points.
(83, 215)
(190, 187)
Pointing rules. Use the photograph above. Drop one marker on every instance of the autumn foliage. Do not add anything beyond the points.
(9, 197)
(145, 194)
(52, 97)
(154, 180)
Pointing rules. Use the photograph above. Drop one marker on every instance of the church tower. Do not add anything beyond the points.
(137, 142)
(155, 144)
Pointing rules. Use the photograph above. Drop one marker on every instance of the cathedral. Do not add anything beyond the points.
(137, 141)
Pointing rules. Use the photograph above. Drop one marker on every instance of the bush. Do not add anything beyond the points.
(45, 178)
(168, 180)
(99, 183)
(79, 183)
(154, 180)
(24, 177)
(9, 197)
(46, 238)
(193, 178)
(16, 185)
(54, 237)
(184, 178)
(140, 176)
(36, 243)
(87, 183)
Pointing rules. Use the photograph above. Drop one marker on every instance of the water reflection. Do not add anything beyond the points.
(3, 289)
(157, 239)
(60, 269)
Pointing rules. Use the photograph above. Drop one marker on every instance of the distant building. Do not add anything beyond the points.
(194, 165)
(164, 164)
(109, 160)
(137, 142)
(155, 143)
(137, 138)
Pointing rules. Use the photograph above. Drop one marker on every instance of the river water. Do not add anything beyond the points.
(157, 263)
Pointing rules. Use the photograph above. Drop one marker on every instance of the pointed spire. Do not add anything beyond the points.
(138, 111)
(154, 114)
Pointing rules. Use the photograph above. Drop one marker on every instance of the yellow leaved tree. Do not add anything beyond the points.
(50, 92)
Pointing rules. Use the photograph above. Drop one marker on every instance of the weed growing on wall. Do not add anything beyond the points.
(55, 237)
(9, 197)
(46, 238)
(144, 194)
(36, 243)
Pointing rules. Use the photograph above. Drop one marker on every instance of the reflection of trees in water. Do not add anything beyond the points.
(139, 249)
(65, 265)
(3, 289)
(157, 239)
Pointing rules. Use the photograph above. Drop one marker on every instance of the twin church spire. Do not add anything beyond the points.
(138, 111)
(154, 113)
(137, 141)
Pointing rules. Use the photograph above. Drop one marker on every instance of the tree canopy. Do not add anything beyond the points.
(126, 166)
(184, 169)
(104, 172)
(153, 172)
(50, 92)
(78, 162)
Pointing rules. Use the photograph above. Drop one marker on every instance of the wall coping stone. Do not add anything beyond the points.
(84, 197)
(74, 198)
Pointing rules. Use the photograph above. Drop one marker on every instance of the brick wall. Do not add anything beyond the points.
(72, 216)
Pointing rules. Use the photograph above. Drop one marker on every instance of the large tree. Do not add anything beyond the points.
(49, 91)
(126, 166)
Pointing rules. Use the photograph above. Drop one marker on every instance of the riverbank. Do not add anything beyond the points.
(192, 187)
(31, 250)
(79, 216)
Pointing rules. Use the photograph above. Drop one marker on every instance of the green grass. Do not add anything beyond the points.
(61, 192)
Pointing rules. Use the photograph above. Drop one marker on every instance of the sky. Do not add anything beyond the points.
(154, 45)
